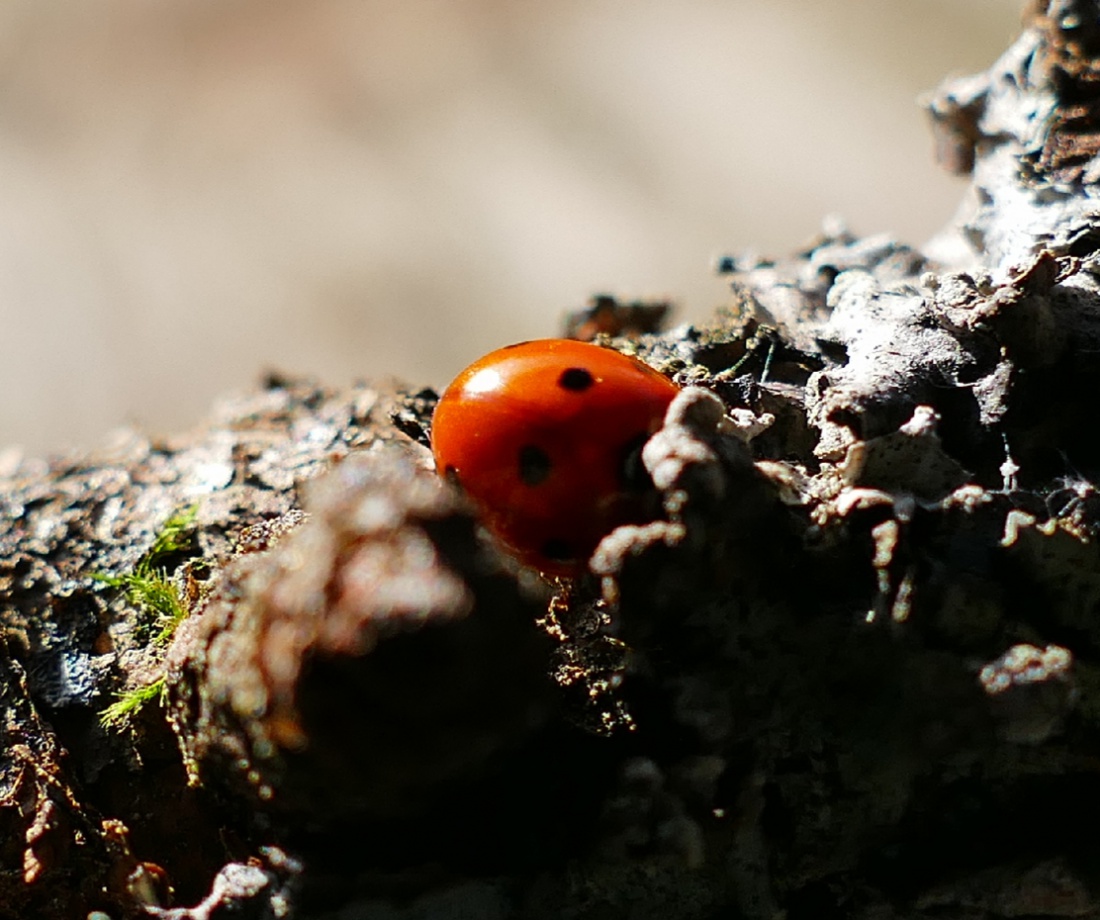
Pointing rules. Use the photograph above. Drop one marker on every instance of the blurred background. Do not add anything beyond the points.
(195, 191)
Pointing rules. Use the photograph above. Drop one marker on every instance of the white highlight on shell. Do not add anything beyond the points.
(485, 380)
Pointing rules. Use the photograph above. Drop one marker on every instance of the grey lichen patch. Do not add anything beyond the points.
(910, 460)
(1022, 130)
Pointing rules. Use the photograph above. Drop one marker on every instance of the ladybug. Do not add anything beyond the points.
(545, 438)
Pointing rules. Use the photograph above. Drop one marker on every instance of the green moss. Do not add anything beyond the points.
(148, 586)
(151, 591)
(130, 703)
(154, 596)
(174, 537)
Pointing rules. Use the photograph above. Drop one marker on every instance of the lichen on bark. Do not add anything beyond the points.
(849, 669)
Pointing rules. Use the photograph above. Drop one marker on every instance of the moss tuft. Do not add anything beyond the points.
(130, 703)
(149, 588)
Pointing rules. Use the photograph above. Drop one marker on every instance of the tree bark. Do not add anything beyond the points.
(849, 669)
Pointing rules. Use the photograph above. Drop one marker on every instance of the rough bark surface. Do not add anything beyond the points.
(851, 670)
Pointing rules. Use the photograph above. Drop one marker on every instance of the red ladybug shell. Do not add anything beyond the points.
(544, 437)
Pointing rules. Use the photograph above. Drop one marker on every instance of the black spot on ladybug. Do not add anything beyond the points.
(632, 472)
(451, 475)
(534, 465)
(576, 379)
(557, 550)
